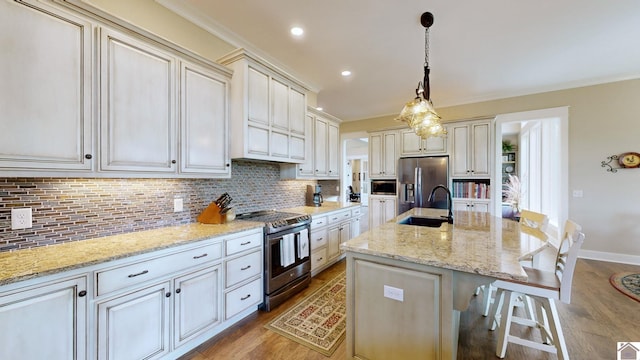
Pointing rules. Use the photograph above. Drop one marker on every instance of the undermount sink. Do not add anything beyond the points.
(423, 221)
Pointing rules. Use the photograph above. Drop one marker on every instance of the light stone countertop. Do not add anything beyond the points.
(475, 243)
(40, 261)
(327, 206)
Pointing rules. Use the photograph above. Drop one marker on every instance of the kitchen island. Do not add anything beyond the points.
(407, 284)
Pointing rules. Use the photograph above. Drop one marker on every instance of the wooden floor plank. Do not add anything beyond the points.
(598, 317)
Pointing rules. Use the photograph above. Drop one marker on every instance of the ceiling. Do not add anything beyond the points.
(479, 50)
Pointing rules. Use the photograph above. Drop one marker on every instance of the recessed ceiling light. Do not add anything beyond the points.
(319, 108)
(346, 73)
(297, 31)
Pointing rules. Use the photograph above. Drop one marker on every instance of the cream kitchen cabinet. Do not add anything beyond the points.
(413, 145)
(474, 205)
(471, 149)
(268, 109)
(382, 208)
(356, 217)
(328, 231)
(383, 154)
(46, 90)
(322, 149)
(62, 301)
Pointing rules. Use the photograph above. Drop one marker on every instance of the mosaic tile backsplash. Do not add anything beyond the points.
(72, 209)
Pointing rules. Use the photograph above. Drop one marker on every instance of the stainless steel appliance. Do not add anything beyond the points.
(383, 187)
(417, 177)
(287, 260)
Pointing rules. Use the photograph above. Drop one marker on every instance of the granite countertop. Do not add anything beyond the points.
(40, 261)
(327, 206)
(476, 242)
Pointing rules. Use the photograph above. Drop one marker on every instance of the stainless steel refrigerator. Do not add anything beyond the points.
(417, 176)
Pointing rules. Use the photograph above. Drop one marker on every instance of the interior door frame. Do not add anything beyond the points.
(557, 113)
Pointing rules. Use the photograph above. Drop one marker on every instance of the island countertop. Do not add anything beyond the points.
(476, 242)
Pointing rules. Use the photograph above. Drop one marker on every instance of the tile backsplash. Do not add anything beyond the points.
(72, 209)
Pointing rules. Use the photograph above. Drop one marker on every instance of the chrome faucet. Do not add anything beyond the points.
(449, 204)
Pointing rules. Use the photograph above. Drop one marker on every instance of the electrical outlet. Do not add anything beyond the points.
(393, 293)
(178, 205)
(21, 219)
(577, 193)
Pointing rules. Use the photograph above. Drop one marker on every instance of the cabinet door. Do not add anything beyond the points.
(355, 226)
(204, 121)
(410, 143)
(390, 156)
(306, 168)
(297, 113)
(45, 322)
(481, 149)
(375, 156)
(389, 211)
(135, 325)
(334, 150)
(46, 88)
(321, 139)
(138, 97)
(279, 105)
(198, 304)
(258, 96)
(345, 234)
(435, 145)
(460, 160)
(333, 245)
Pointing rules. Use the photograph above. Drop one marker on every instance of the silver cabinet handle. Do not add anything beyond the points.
(246, 267)
(245, 297)
(200, 256)
(245, 243)
(138, 274)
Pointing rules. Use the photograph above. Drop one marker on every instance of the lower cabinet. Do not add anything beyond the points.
(136, 324)
(471, 205)
(382, 208)
(328, 231)
(62, 336)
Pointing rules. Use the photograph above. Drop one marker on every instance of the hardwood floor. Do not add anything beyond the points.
(598, 317)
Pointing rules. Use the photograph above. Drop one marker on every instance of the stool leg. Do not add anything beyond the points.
(496, 309)
(555, 328)
(505, 322)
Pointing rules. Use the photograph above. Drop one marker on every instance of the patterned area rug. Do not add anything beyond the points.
(627, 283)
(318, 321)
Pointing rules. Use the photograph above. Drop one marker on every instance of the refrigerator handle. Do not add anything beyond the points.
(418, 188)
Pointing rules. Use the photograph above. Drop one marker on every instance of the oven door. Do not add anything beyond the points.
(287, 257)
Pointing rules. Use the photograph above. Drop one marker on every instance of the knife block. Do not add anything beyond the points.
(211, 215)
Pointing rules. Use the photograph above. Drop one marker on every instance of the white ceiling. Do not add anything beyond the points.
(480, 50)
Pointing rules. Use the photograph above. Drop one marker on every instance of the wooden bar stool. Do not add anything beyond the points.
(544, 287)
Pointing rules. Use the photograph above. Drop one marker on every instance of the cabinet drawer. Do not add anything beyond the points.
(132, 274)
(318, 258)
(242, 298)
(339, 216)
(243, 268)
(356, 212)
(242, 243)
(318, 221)
(318, 238)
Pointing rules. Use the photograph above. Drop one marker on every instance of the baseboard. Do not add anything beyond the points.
(610, 257)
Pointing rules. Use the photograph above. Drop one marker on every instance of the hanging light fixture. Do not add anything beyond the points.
(419, 113)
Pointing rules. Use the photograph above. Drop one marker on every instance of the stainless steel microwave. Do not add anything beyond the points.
(383, 187)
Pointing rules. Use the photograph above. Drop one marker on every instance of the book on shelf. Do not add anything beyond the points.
(472, 190)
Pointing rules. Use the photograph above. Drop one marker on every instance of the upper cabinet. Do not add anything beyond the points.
(383, 154)
(46, 89)
(268, 109)
(322, 149)
(413, 145)
(155, 109)
(471, 149)
(138, 107)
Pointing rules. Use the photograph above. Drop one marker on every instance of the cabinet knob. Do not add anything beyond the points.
(173, 161)
(167, 294)
(178, 291)
(82, 293)
(227, 165)
(88, 156)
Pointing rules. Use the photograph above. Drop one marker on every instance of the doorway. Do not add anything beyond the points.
(542, 161)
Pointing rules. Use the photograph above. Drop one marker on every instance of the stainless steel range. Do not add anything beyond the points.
(287, 260)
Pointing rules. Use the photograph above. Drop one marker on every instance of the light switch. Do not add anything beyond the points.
(178, 205)
(577, 193)
(393, 293)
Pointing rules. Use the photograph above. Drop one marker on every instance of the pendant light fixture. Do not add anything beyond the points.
(419, 113)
